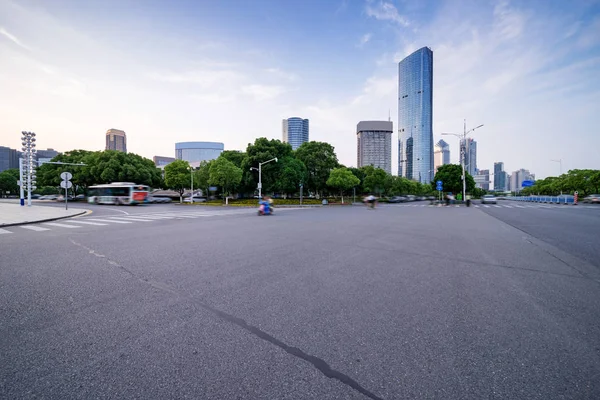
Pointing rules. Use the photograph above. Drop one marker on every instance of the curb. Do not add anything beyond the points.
(45, 220)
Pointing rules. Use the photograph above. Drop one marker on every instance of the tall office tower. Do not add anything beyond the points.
(517, 179)
(9, 158)
(499, 177)
(116, 140)
(295, 131)
(415, 112)
(470, 153)
(374, 144)
(482, 179)
(441, 154)
(195, 152)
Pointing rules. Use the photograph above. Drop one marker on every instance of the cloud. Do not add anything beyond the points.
(282, 74)
(364, 39)
(262, 92)
(203, 78)
(13, 38)
(385, 11)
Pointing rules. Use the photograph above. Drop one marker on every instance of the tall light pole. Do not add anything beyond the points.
(192, 184)
(560, 162)
(259, 169)
(463, 138)
(27, 165)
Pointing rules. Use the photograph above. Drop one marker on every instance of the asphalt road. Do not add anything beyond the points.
(327, 303)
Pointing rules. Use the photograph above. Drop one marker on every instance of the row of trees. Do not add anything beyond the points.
(584, 181)
(314, 165)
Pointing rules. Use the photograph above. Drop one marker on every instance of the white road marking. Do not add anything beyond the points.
(61, 225)
(3, 231)
(497, 206)
(131, 219)
(486, 206)
(108, 220)
(35, 228)
(507, 206)
(476, 206)
(87, 223)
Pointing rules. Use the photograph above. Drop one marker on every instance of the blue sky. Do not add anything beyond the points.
(167, 71)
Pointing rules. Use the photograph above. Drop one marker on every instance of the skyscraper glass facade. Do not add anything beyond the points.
(374, 144)
(116, 140)
(499, 177)
(295, 131)
(415, 116)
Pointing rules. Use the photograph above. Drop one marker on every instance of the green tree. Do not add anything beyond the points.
(320, 159)
(8, 181)
(224, 173)
(292, 172)
(49, 174)
(450, 175)
(177, 177)
(342, 179)
(376, 180)
(236, 157)
(263, 150)
(116, 166)
(202, 179)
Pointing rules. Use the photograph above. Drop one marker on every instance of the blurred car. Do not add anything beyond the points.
(592, 198)
(411, 197)
(489, 199)
(49, 197)
(396, 199)
(196, 200)
(35, 196)
(162, 200)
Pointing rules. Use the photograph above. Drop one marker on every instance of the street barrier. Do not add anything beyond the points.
(546, 199)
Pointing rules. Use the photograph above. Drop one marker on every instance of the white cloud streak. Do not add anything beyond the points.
(14, 39)
(364, 39)
(384, 11)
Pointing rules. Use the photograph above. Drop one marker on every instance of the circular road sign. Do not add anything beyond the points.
(66, 176)
(66, 184)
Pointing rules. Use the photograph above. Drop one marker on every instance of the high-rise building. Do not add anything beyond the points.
(469, 149)
(441, 154)
(43, 156)
(517, 178)
(374, 144)
(294, 131)
(415, 112)
(499, 177)
(482, 179)
(162, 161)
(116, 140)
(198, 151)
(9, 158)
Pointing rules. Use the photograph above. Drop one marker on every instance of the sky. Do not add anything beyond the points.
(231, 70)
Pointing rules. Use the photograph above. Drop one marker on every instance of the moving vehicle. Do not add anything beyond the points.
(196, 200)
(489, 199)
(396, 199)
(592, 198)
(120, 193)
(265, 207)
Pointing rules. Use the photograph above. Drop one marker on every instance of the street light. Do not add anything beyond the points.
(259, 169)
(463, 137)
(560, 162)
(27, 166)
(191, 185)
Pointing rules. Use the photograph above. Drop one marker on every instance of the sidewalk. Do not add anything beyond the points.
(14, 214)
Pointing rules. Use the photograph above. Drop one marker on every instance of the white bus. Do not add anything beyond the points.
(125, 193)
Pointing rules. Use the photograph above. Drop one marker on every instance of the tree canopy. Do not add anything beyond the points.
(177, 176)
(225, 174)
(584, 181)
(8, 181)
(450, 175)
(342, 179)
(319, 159)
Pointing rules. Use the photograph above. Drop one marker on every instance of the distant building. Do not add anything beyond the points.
(116, 140)
(482, 179)
(517, 178)
(294, 131)
(43, 156)
(374, 144)
(162, 161)
(9, 158)
(500, 176)
(441, 154)
(415, 116)
(198, 151)
(469, 147)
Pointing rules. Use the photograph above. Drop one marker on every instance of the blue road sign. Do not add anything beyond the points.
(527, 183)
(439, 188)
(439, 183)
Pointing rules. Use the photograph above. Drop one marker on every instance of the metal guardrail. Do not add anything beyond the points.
(544, 199)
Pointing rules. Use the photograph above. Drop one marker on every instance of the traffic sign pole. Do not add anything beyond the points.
(66, 183)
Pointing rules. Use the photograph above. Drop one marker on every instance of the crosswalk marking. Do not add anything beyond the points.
(131, 219)
(3, 231)
(87, 223)
(107, 220)
(61, 225)
(507, 206)
(35, 228)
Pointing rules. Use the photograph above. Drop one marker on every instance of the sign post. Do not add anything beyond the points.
(439, 186)
(575, 198)
(66, 184)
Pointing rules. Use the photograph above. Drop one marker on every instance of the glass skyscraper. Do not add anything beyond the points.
(295, 131)
(415, 110)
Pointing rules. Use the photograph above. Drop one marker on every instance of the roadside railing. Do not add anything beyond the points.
(544, 199)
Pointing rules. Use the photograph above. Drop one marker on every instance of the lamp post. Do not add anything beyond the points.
(191, 185)
(463, 138)
(27, 166)
(559, 161)
(259, 169)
